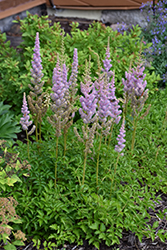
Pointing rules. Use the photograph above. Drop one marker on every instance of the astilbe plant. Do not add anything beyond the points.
(88, 114)
(118, 148)
(105, 86)
(121, 139)
(108, 109)
(63, 101)
(113, 203)
(136, 94)
(36, 96)
(24, 121)
(99, 107)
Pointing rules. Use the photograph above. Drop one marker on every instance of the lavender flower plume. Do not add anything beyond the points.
(134, 89)
(107, 101)
(135, 81)
(107, 62)
(74, 73)
(36, 71)
(121, 139)
(114, 106)
(73, 79)
(63, 96)
(89, 100)
(24, 121)
(103, 99)
(59, 85)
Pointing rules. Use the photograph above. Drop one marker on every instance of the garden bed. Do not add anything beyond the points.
(128, 240)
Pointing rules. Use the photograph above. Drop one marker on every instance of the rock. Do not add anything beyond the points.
(130, 17)
(118, 26)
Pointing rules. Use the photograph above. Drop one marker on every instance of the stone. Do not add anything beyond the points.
(118, 26)
(130, 17)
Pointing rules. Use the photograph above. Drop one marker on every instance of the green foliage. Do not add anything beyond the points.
(50, 43)
(9, 167)
(124, 48)
(72, 212)
(15, 64)
(46, 245)
(11, 83)
(8, 127)
(155, 34)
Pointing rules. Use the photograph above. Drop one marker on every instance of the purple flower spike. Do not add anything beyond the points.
(89, 100)
(121, 139)
(24, 121)
(104, 110)
(89, 104)
(135, 81)
(114, 107)
(107, 62)
(74, 73)
(108, 103)
(36, 71)
(59, 85)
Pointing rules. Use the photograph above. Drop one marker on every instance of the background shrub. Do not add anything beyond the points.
(15, 69)
(156, 33)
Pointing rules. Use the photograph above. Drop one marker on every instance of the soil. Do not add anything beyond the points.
(129, 240)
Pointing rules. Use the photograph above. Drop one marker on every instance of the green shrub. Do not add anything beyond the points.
(9, 167)
(8, 126)
(15, 66)
(156, 33)
(124, 48)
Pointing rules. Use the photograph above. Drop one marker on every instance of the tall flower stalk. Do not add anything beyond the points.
(118, 148)
(88, 115)
(58, 104)
(108, 109)
(63, 101)
(135, 92)
(24, 121)
(37, 96)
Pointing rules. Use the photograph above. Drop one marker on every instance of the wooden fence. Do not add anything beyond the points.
(97, 4)
(11, 7)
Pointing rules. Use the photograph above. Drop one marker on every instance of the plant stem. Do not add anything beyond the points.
(85, 157)
(97, 165)
(65, 141)
(27, 144)
(134, 133)
(114, 173)
(110, 135)
(36, 130)
(40, 132)
(126, 106)
(57, 140)
(84, 167)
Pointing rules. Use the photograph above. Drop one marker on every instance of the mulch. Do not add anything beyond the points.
(129, 240)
